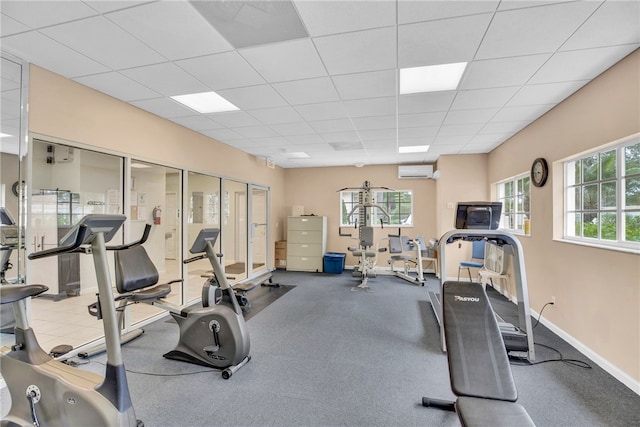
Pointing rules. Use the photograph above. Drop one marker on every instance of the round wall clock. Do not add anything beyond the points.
(15, 188)
(539, 172)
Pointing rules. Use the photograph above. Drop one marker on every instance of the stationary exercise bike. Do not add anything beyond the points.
(213, 335)
(45, 391)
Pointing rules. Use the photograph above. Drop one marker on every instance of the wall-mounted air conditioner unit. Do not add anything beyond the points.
(415, 171)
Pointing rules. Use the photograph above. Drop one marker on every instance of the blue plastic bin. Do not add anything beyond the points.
(334, 262)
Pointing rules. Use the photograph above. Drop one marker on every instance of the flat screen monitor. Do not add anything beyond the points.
(478, 215)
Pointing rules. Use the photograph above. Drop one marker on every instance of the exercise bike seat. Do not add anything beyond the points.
(13, 293)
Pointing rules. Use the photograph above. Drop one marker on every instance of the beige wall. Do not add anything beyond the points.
(317, 189)
(63, 109)
(597, 290)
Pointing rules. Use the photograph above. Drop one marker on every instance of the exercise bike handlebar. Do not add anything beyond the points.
(82, 231)
(145, 236)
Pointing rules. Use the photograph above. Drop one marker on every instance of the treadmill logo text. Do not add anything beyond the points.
(466, 299)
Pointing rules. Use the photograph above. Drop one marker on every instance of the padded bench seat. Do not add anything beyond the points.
(473, 411)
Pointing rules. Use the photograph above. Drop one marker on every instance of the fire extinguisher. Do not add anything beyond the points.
(157, 215)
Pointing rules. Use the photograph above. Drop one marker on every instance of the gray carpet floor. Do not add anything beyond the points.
(323, 355)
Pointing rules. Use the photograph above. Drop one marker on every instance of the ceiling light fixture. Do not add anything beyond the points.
(205, 102)
(3, 135)
(413, 149)
(432, 78)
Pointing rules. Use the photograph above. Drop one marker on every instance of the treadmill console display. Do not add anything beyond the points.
(478, 215)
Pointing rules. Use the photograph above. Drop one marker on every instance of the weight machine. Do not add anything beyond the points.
(365, 251)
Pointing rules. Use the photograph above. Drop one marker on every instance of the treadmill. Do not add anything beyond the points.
(480, 221)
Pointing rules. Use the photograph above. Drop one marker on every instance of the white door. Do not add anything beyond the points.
(41, 235)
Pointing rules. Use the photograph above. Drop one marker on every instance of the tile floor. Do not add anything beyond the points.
(67, 321)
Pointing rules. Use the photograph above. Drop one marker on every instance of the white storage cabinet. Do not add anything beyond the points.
(306, 242)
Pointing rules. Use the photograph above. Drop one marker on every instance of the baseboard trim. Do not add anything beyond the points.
(613, 370)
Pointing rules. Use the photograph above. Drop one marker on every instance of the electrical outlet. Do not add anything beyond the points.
(553, 300)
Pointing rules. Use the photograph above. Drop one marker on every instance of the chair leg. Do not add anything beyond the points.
(469, 271)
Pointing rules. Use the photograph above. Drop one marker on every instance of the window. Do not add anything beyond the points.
(398, 204)
(602, 196)
(515, 197)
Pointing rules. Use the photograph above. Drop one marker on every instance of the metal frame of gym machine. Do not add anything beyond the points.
(501, 238)
(365, 252)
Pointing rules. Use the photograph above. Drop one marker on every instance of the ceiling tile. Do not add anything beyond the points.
(418, 132)
(337, 125)
(38, 14)
(105, 6)
(222, 71)
(10, 26)
(276, 115)
(367, 50)
(163, 107)
(613, 23)
(247, 98)
(534, 30)
(332, 17)
(323, 111)
(166, 78)
(172, 28)
(426, 102)
(378, 122)
(549, 93)
(289, 129)
(337, 137)
(251, 23)
(292, 60)
(459, 130)
(105, 42)
(119, 86)
(309, 91)
(528, 113)
(503, 72)
(378, 134)
(197, 122)
(366, 85)
(44, 52)
(255, 131)
(305, 139)
(441, 42)
(462, 117)
(420, 10)
(422, 119)
(371, 107)
(234, 119)
(580, 64)
(494, 127)
(483, 98)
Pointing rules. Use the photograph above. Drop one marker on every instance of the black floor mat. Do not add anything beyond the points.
(262, 296)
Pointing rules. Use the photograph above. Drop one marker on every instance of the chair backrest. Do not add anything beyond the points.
(134, 269)
(478, 249)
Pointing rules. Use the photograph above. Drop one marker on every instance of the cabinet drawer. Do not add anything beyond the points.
(305, 249)
(305, 223)
(303, 263)
(303, 236)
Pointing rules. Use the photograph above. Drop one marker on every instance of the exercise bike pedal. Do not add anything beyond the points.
(211, 350)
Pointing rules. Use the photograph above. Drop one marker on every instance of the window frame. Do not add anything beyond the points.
(375, 221)
(620, 210)
(501, 196)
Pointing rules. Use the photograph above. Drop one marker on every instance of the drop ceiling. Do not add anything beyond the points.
(320, 77)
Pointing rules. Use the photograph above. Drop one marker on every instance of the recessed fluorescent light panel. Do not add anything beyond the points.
(433, 78)
(297, 155)
(205, 102)
(413, 149)
(3, 135)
